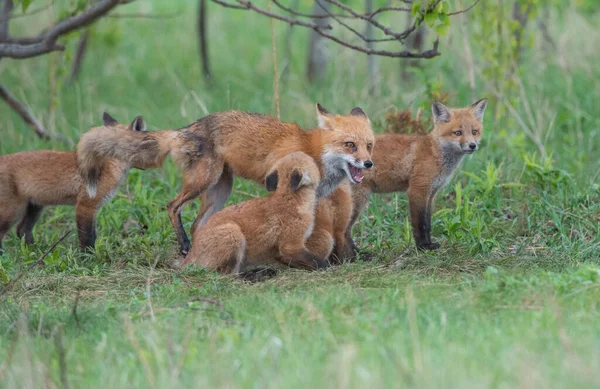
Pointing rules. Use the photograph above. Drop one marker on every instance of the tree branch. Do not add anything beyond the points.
(46, 41)
(5, 11)
(18, 107)
(343, 17)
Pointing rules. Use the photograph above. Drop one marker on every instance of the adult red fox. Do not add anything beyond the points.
(31, 180)
(268, 230)
(421, 165)
(242, 144)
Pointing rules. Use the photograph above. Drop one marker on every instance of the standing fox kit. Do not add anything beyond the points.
(31, 180)
(421, 165)
(266, 230)
(237, 143)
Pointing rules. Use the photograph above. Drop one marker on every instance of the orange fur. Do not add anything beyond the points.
(268, 230)
(421, 165)
(32, 180)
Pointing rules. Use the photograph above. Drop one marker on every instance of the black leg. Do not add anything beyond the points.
(25, 228)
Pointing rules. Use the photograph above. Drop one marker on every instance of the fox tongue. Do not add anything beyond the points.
(356, 173)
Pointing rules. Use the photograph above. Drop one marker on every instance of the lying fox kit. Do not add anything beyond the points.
(31, 180)
(268, 230)
(422, 165)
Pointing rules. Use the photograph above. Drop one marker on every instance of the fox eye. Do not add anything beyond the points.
(350, 145)
(369, 146)
(458, 133)
(474, 132)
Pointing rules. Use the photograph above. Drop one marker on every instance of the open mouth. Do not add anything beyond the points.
(469, 151)
(355, 174)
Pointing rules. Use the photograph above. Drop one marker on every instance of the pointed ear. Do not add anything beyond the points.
(478, 109)
(138, 124)
(271, 181)
(441, 113)
(109, 120)
(298, 179)
(323, 117)
(357, 111)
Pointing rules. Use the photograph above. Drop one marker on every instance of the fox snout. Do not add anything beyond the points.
(366, 164)
(469, 147)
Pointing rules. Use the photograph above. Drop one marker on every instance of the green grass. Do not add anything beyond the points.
(511, 299)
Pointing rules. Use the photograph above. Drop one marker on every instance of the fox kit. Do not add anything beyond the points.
(246, 145)
(266, 230)
(31, 180)
(421, 165)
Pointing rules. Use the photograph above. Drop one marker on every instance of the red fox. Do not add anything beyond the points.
(31, 180)
(242, 144)
(421, 165)
(268, 230)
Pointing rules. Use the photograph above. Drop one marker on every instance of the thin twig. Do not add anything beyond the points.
(464, 10)
(37, 262)
(19, 108)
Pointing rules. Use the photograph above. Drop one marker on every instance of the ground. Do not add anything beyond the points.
(510, 300)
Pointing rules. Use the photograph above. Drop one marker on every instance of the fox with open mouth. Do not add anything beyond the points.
(234, 143)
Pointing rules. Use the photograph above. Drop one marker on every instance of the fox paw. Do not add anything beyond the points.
(258, 275)
(428, 246)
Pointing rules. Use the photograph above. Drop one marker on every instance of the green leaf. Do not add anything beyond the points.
(443, 18)
(25, 4)
(442, 29)
(444, 8)
(430, 19)
(416, 7)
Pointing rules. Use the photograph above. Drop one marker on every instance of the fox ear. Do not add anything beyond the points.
(357, 111)
(323, 117)
(138, 124)
(441, 113)
(298, 179)
(478, 109)
(109, 120)
(271, 181)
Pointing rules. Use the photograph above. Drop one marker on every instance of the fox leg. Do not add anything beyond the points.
(302, 259)
(222, 249)
(360, 200)
(420, 217)
(85, 217)
(432, 244)
(344, 248)
(214, 198)
(320, 242)
(194, 184)
(10, 212)
(25, 227)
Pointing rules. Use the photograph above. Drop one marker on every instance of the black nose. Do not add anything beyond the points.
(368, 164)
(472, 146)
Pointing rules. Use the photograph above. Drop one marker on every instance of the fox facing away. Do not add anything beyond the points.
(421, 165)
(243, 144)
(31, 180)
(268, 230)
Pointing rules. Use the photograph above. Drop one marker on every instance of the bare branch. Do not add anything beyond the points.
(465, 10)
(46, 41)
(345, 15)
(24, 113)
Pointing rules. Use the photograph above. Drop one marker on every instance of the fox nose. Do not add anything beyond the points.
(472, 145)
(368, 164)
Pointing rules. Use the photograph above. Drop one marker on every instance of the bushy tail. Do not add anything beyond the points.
(140, 150)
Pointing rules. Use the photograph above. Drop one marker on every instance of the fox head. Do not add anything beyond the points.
(348, 142)
(459, 130)
(292, 172)
(138, 124)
